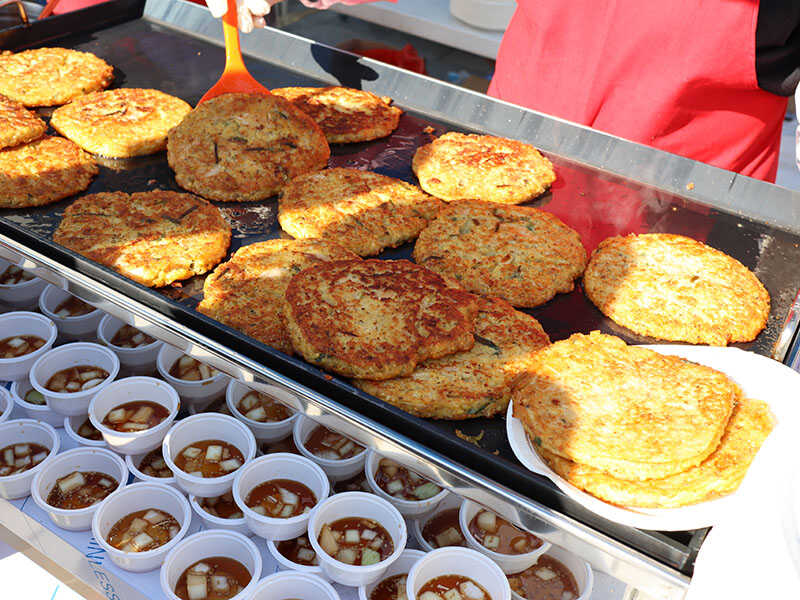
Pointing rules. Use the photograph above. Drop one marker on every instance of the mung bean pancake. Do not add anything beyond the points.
(43, 171)
(17, 124)
(52, 76)
(362, 211)
(473, 383)
(120, 123)
(675, 288)
(244, 147)
(345, 114)
(247, 292)
(521, 254)
(376, 319)
(459, 166)
(154, 237)
(626, 410)
(718, 475)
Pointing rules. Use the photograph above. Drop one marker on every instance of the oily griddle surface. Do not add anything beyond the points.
(596, 204)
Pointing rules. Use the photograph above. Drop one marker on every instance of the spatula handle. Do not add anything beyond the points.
(230, 28)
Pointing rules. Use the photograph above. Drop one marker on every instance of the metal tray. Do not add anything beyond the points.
(595, 201)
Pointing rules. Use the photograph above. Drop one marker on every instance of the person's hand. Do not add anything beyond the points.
(249, 13)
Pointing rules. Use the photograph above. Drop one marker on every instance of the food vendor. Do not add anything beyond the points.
(706, 80)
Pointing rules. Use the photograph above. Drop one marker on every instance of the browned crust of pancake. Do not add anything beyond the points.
(362, 211)
(247, 292)
(459, 166)
(345, 114)
(154, 237)
(244, 147)
(52, 76)
(120, 123)
(376, 319)
(43, 171)
(476, 382)
(521, 254)
(18, 125)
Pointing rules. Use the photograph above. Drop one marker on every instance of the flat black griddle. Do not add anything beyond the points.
(596, 204)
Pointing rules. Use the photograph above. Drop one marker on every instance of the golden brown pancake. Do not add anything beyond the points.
(675, 288)
(523, 255)
(473, 383)
(345, 114)
(362, 211)
(244, 147)
(718, 475)
(18, 125)
(376, 319)
(120, 123)
(459, 166)
(52, 76)
(154, 237)
(625, 410)
(43, 171)
(247, 292)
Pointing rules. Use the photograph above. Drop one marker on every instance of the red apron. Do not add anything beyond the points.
(678, 75)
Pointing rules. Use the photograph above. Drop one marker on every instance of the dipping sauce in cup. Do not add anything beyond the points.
(209, 458)
(143, 530)
(213, 578)
(19, 345)
(356, 541)
(80, 489)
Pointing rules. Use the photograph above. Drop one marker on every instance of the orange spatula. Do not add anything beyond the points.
(235, 77)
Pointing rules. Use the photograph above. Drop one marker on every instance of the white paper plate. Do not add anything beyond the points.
(759, 377)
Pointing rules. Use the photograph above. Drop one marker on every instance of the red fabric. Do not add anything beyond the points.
(65, 6)
(675, 74)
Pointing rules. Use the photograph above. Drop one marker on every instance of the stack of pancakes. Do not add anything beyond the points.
(637, 428)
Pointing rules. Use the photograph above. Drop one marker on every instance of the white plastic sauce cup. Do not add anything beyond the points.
(37, 412)
(295, 585)
(280, 465)
(287, 565)
(78, 459)
(24, 431)
(458, 561)
(509, 563)
(214, 522)
(417, 525)
(64, 357)
(22, 296)
(199, 393)
(407, 508)
(337, 470)
(127, 390)
(265, 432)
(133, 498)
(135, 361)
(71, 426)
(25, 323)
(579, 568)
(356, 504)
(207, 544)
(6, 405)
(399, 567)
(133, 462)
(82, 327)
(207, 426)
